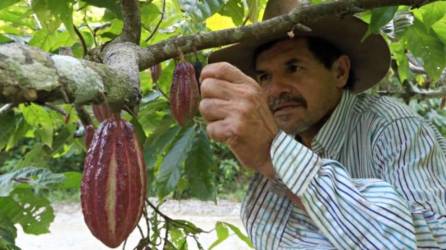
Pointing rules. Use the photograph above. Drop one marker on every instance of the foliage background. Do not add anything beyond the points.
(42, 147)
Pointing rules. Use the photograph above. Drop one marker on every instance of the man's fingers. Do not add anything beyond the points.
(213, 109)
(225, 71)
(216, 88)
(219, 131)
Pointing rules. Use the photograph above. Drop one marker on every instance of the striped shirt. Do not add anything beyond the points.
(373, 179)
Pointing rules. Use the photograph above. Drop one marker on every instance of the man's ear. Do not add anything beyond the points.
(341, 70)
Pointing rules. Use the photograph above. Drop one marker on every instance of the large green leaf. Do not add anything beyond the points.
(38, 117)
(200, 168)
(380, 17)
(64, 11)
(425, 45)
(429, 14)
(235, 10)
(112, 5)
(7, 3)
(37, 178)
(33, 212)
(7, 127)
(398, 51)
(20, 131)
(8, 232)
(440, 29)
(170, 170)
(38, 156)
(200, 10)
(161, 138)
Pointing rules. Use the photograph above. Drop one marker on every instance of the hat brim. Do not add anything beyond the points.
(370, 59)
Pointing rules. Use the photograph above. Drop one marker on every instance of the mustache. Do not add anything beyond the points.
(275, 102)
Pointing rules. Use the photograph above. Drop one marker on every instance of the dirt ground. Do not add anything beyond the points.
(69, 232)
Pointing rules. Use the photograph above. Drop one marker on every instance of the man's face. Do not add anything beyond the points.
(300, 90)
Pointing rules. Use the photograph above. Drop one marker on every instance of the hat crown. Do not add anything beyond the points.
(280, 7)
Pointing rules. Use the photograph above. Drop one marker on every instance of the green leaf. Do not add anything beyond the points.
(37, 157)
(8, 232)
(150, 13)
(7, 3)
(222, 234)
(200, 168)
(239, 234)
(4, 39)
(187, 226)
(429, 14)
(201, 10)
(7, 127)
(33, 212)
(162, 137)
(425, 45)
(170, 169)
(380, 17)
(20, 131)
(112, 5)
(440, 29)
(71, 180)
(235, 10)
(398, 52)
(64, 11)
(253, 10)
(140, 134)
(38, 117)
(37, 178)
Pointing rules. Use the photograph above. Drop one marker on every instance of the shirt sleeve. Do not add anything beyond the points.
(371, 213)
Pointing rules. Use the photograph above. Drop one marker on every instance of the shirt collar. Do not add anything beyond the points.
(330, 138)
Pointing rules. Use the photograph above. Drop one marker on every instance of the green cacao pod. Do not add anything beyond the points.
(184, 93)
(113, 187)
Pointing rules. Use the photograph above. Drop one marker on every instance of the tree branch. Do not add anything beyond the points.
(29, 74)
(278, 25)
(132, 21)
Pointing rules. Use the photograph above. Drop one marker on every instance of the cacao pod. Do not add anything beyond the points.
(155, 72)
(184, 93)
(101, 111)
(88, 135)
(113, 187)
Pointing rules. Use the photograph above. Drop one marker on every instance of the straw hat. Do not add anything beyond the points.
(370, 59)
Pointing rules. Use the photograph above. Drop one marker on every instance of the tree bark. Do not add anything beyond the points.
(28, 74)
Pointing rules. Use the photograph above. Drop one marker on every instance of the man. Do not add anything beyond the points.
(335, 169)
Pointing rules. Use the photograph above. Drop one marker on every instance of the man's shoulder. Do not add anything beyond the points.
(384, 108)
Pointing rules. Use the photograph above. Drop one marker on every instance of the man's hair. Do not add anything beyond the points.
(324, 51)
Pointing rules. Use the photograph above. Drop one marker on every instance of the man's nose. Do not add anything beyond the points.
(279, 85)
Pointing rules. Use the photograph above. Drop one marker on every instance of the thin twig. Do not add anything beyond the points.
(166, 235)
(57, 109)
(159, 22)
(81, 38)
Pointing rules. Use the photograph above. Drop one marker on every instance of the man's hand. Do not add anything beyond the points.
(238, 115)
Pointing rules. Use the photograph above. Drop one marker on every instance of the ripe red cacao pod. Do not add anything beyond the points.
(184, 93)
(101, 111)
(113, 187)
(155, 72)
(88, 135)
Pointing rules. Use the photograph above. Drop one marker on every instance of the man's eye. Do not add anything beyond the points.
(293, 68)
(262, 78)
